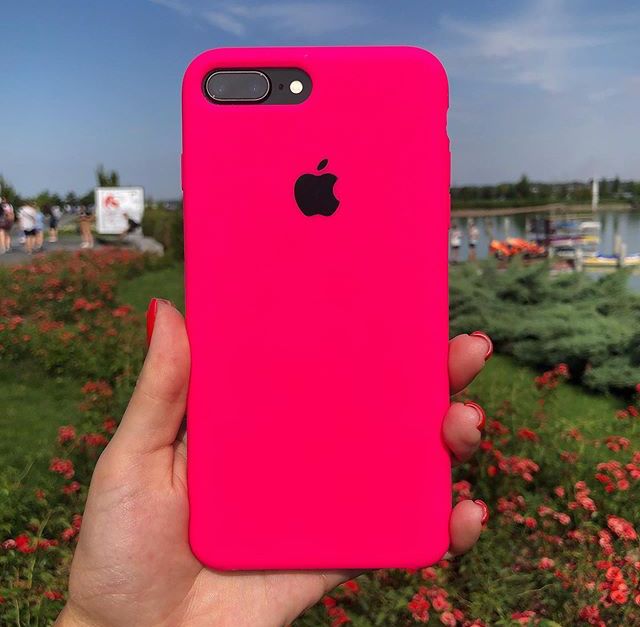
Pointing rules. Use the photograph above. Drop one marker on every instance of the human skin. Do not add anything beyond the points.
(133, 564)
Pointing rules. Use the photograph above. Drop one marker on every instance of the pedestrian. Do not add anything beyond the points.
(54, 217)
(84, 219)
(39, 243)
(473, 232)
(456, 242)
(7, 219)
(27, 217)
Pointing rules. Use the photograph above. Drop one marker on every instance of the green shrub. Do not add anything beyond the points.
(591, 325)
(166, 227)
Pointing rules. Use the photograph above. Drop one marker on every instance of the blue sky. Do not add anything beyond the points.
(546, 87)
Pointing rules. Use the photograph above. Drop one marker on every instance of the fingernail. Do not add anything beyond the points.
(487, 339)
(482, 417)
(152, 311)
(485, 511)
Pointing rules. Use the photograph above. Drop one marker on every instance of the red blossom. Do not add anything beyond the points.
(24, 544)
(621, 527)
(109, 425)
(66, 434)
(63, 467)
(528, 434)
(94, 439)
(71, 488)
(447, 618)
(419, 608)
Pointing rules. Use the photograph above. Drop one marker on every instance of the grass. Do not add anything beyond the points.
(165, 283)
(32, 407)
(571, 406)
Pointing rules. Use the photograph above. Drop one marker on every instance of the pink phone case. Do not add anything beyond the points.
(319, 343)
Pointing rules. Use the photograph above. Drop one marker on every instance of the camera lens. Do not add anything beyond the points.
(237, 86)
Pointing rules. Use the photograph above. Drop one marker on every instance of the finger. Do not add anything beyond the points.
(462, 429)
(158, 403)
(467, 520)
(467, 356)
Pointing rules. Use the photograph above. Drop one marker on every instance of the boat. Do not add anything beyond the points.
(611, 261)
(515, 246)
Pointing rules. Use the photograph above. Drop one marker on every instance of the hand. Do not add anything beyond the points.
(133, 564)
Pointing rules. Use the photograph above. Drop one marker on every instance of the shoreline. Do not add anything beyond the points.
(550, 208)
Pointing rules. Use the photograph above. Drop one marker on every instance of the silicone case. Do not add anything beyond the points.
(319, 343)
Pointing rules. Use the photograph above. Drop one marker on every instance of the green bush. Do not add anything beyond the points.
(166, 227)
(591, 325)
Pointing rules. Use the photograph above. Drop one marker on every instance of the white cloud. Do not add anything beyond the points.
(174, 5)
(294, 18)
(536, 47)
(226, 22)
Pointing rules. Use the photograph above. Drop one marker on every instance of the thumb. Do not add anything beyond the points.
(158, 403)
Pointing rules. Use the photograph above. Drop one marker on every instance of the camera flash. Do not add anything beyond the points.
(296, 87)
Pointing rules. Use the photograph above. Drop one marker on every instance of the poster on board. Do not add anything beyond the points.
(116, 206)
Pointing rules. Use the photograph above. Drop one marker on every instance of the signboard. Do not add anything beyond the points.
(115, 206)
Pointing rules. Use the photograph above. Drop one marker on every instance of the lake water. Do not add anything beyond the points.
(625, 223)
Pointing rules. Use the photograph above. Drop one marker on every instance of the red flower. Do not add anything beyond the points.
(40, 494)
(621, 527)
(351, 587)
(590, 614)
(447, 618)
(53, 595)
(109, 425)
(9, 544)
(122, 311)
(63, 467)
(546, 563)
(24, 544)
(66, 434)
(95, 439)
(68, 534)
(528, 434)
(72, 487)
(419, 608)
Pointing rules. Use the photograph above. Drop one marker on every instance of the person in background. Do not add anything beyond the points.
(54, 218)
(473, 232)
(84, 219)
(39, 241)
(456, 242)
(7, 219)
(27, 217)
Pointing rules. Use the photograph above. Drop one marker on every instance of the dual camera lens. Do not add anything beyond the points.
(268, 86)
(226, 86)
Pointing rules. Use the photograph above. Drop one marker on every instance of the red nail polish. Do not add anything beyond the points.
(485, 511)
(482, 417)
(487, 339)
(152, 310)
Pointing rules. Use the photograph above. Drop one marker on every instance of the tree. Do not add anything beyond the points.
(8, 191)
(523, 187)
(106, 178)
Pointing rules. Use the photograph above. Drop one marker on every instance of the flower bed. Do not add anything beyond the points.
(560, 471)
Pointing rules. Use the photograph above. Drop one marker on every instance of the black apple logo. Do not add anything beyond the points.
(314, 192)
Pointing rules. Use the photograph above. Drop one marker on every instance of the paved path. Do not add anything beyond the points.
(17, 254)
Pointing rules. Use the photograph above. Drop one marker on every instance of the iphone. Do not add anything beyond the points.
(316, 203)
